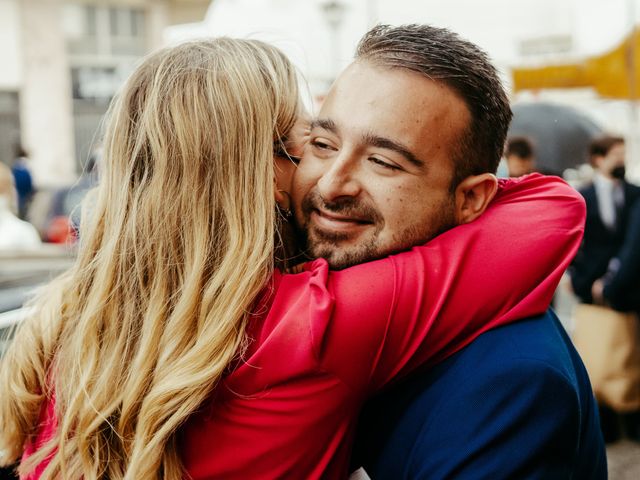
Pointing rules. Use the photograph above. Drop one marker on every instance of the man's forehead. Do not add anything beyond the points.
(401, 95)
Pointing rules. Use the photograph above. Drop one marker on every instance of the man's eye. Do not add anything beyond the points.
(321, 145)
(384, 164)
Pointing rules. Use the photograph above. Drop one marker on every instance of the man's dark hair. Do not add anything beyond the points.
(600, 146)
(445, 57)
(520, 147)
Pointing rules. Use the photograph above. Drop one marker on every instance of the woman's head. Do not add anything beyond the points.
(203, 115)
(178, 244)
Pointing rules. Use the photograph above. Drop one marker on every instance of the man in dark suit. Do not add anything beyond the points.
(620, 289)
(620, 286)
(609, 199)
(369, 162)
(515, 403)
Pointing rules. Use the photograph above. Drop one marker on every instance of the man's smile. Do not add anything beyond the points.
(326, 220)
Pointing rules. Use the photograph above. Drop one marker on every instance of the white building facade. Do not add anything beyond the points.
(63, 60)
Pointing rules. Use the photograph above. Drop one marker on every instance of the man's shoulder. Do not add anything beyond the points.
(632, 189)
(534, 357)
(537, 345)
(515, 383)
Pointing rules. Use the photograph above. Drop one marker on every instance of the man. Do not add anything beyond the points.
(620, 286)
(609, 198)
(611, 233)
(520, 156)
(404, 148)
(603, 270)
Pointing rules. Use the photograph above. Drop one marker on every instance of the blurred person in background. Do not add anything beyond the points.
(619, 288)
(520, 156)
(15, 234)
(604, 266)
(142, 360)
(23, 181)
(609, 198)
(56, 213)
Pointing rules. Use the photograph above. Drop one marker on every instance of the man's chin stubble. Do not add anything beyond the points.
(340, 258)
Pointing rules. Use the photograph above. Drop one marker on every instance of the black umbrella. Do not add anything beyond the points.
(561, 135)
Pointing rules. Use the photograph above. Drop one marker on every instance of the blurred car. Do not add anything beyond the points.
(56, 212)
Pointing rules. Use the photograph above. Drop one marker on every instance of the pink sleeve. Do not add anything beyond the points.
(46, 431)
(418, 307)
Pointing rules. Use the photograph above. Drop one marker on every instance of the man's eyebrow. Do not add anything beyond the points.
(388, 144)
(373, 140)
(324, 123)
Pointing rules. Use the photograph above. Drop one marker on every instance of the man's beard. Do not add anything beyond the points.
(327, 245)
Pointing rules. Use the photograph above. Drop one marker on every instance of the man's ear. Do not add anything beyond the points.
(473, 195)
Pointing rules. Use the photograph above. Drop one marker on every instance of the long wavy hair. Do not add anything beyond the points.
(177, 247)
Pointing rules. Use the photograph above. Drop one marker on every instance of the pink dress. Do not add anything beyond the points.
(329, 339)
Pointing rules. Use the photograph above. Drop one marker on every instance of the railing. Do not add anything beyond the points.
(8, 320)
(21, 272)
(49, 257)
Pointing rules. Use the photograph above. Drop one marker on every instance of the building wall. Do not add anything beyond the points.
(45, 104)
(10, 77)
(57, 77)
(10, 73)
(104, 41)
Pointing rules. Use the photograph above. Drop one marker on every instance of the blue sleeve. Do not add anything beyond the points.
(622, 283)
(497, 410)
(514, 432)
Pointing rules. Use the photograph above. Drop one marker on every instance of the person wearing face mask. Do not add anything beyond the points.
(609, 198)
(595, 273)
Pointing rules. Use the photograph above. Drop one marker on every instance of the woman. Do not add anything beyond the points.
(142, 361)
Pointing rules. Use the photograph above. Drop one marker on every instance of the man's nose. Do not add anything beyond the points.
(340, 180)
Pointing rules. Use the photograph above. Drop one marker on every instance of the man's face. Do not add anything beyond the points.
(375, 177)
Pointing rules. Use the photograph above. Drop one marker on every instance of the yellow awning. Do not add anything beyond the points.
(615, 74)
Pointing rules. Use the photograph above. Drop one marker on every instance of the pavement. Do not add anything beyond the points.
(623, 458)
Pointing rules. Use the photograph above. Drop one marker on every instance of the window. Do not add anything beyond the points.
(104, 31)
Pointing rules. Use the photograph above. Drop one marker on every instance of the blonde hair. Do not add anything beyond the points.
(137, 334)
